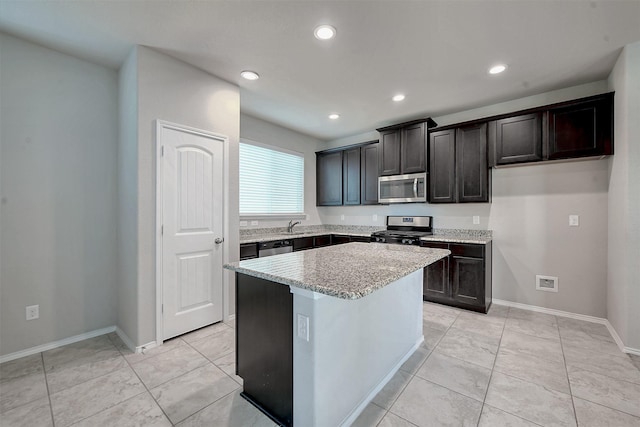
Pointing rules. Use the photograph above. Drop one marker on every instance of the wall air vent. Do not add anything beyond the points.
(546, 283)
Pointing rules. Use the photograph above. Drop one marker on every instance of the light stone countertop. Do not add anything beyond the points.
(348, 271)
(457, 239)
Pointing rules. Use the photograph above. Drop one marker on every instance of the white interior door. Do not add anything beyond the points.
(192, 230)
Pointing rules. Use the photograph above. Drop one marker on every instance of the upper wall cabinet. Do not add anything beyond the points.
(402, 148)
(347, 176)
(329, 178)
(458, 168)
(516, 139)
(369, 174)
(351, 176)
(579, 128)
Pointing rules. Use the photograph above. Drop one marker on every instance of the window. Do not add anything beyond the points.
(271, 181)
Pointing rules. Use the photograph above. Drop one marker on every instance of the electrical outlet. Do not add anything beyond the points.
(303, 327)
(375, 217)
(254, 222)
(243, 223)
(33, 312)
(476, 219)
(574, 220)
(341, 217)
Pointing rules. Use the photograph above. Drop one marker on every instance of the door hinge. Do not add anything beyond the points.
(162, 308)
(162, 230)
(162, 151)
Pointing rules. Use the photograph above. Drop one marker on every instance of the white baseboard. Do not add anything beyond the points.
(577, 316)
(56, 344)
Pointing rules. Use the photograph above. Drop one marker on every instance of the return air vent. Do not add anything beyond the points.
(546, 283)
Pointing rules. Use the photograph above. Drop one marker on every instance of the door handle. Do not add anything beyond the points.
(415, 188)
(219, 240)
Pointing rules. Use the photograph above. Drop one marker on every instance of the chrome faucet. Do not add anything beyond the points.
(291, 225)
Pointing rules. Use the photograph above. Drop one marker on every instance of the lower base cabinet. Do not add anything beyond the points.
(463, 279)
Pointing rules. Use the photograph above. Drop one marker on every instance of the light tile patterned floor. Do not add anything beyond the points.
(508, 368)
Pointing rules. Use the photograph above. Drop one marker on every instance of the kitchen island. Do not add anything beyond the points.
(320, 332)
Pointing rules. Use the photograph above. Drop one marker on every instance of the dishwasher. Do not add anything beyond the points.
(275, 248)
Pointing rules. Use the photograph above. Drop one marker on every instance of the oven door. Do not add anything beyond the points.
(402, 188)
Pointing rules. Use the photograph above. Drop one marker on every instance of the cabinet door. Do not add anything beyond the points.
(467, 280)
(369, 175)
(435, 284)
(442, 162)
(413, 158)
(338, 239)
(351, 176)
(329, 179)
(320, 241)
(248, 251)
(517, 139)
(581, 130)
(302, 243)
(472, 168)
(389, 152)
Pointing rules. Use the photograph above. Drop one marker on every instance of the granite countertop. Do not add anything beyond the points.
(479, 237)
(348, 271)
(268, 234)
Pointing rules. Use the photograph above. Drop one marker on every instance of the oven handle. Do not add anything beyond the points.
(415, 188)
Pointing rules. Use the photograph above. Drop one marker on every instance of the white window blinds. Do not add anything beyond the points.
(271, 181)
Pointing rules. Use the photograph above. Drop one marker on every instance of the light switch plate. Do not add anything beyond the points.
(254, 222)
(243, 223)
(476, 219)
(574, 220)
(341, 217)
(375, 217)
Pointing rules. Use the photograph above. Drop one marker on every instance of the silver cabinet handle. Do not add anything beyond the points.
(415, 187)
(219, 240)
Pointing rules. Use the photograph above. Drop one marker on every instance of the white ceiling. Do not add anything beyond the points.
(436, 52)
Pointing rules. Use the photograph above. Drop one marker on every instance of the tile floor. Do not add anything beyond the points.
(508, 368)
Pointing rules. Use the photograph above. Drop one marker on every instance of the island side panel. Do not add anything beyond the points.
(354, 348)
(264, 345)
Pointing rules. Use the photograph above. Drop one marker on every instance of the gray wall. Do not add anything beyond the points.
(623, 279)
(59, 134)
(529, 218)
(128, 198)
(258, 130)
(171, 90)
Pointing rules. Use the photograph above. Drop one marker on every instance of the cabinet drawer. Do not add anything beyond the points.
(302, 243)
(248, 251)
(436, 245)
(472, 251)
(322, 241)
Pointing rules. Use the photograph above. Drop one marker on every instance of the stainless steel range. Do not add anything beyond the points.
(404, 230)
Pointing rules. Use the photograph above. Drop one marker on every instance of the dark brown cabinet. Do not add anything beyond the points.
(581, 129)
(568, 130)
(472, 169)
(351, 176)
(264, 345)
(403, 148)
(302, 243)
(389, 152)
(248, 251)
(463, 279)
(516, 139)
(347, 176)
(442, 166)
(369, 172)
(458, 168)
(329, 178)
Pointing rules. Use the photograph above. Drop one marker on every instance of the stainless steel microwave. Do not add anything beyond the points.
(402, 188)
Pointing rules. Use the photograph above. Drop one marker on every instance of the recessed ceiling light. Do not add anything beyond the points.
(249, 75)
(399, 97)
(324, 32)
(497, 69)
(334, 116)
